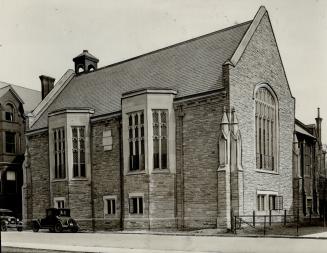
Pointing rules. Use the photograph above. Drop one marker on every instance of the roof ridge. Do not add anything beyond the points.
(167, 47)
(18, 86)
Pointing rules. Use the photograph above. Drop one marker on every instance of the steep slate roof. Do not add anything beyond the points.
(31, 98)
(190, 67)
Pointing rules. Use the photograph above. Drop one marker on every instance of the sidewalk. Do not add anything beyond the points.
(128, 242)
(50, 248)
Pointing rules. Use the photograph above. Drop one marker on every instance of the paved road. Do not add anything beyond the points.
(145, 243)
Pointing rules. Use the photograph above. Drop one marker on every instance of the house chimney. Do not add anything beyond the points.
(318, 126)
(47, 84)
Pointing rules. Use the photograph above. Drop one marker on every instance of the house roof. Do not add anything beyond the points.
(30, 98)
(302, 129)
(190, 67)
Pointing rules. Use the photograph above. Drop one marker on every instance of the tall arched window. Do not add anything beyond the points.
(266, 126)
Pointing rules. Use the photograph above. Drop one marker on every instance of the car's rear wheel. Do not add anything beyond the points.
(58, 227)
(74, 229)
(3, 226)
(19, 229)
(36, 227)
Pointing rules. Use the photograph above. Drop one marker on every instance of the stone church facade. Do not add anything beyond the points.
(179, 138)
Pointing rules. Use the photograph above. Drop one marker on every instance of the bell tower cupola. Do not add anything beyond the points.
(85, 62)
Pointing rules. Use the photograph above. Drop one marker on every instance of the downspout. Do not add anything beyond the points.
(181, 115)
(91, 181)
(121, 174)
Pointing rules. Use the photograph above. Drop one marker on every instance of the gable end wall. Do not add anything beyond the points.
(261, 63)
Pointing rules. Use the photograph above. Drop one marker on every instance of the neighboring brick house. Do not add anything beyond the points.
(15, 102)
(176, 138)
(309, 169)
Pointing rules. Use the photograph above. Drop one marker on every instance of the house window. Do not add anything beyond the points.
(79, 152)
(136, 141)
(10, 142)
(160, 139)
(309, 205)
(265, 122)
(269, 201)
(59, 153)
(261, 202)
(136, 205)
(307, 159)
(11, 185)
(9, 112)
(109, 205)
(107, 140)
(59, 202)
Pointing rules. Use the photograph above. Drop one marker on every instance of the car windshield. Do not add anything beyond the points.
(6, 213)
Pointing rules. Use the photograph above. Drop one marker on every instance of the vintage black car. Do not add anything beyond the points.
(56, 220)
(8, 220)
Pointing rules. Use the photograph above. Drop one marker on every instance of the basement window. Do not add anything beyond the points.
(59, 202)
(109, 203)
(136, 205)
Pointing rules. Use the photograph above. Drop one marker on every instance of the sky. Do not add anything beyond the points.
(42, 37)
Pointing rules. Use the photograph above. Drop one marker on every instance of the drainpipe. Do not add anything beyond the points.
(91, 181)
(121, 174)
(181, 115)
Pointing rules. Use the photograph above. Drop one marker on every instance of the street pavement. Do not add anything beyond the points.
(146, 243)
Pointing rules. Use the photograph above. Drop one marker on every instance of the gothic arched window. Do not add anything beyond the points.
(266, 128)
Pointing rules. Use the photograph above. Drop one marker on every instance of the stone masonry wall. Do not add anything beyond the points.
(197, 162)
(261, 63)
(40, 174)
(106, 174)
(136, 183)
(162, 200)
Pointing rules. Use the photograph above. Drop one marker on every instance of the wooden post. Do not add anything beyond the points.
(264, 225)
(254, 219)
(297, 222)
(285, 217)
(235, 225)
(270, 218)
(324, 213)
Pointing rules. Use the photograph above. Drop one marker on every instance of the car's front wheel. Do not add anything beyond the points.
(3, 226)
(36, 227)
(58, 227)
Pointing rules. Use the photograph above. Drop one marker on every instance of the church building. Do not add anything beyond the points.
(178, 138)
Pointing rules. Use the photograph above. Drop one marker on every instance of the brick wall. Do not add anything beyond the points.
(197, 162)
(40, 174)
(162, 200)
(136, 183)
(261, 63)
(106, 174)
